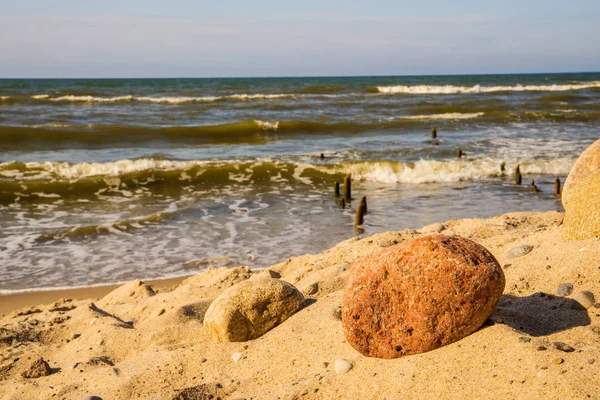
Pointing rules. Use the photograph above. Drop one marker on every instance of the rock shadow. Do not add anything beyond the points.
(540, 314)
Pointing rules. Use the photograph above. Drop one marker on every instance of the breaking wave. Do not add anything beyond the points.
(450, 89)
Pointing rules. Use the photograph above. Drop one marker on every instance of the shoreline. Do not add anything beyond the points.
(135, 343)
(11, 302)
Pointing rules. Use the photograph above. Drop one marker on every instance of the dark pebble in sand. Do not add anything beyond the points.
(564, 289)
(524, 339)
(541, 348)
(563, 347)
(92, 398)
(597, 305)
(591, 361)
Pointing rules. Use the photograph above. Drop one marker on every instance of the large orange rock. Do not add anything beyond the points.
(587, 164)
(419, 295)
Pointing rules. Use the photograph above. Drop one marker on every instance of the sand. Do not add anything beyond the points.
(133, 344)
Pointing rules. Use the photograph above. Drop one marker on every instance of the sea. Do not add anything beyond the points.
(108, 180)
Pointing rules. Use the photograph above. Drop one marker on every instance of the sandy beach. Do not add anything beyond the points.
(138, 343)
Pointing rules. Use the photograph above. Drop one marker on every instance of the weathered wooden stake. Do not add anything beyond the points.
(322, 156)
(342, 203)
(502, 166)
(348, 188)
(433, 133)
(337, 189)
(533, 187)
(360, 215)
(518, 178)
(363, 202)
(557, 186)
(459, 153)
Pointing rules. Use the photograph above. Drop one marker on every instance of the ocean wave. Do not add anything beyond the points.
(433, 171)
(450, 89)
(120, 227)
(444, 116)
(164, 99)
(57, 181)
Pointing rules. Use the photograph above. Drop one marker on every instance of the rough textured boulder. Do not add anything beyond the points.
(419, 295)
(37, 369)
(582, 218)
(250, 308)
(587, 164)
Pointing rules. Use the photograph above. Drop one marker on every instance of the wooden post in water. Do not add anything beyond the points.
(533, 187)
(459, 153)
(337, 189)
(348, 189)
(502, 166)
(342, 203)
(557, 186)
(363, 202)
(518, 175)
(322, 156)
(433, 133)
(360, 215)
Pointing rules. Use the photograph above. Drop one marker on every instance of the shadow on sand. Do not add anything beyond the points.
(540, 314)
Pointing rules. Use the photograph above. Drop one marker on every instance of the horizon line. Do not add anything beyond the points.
(309, 76)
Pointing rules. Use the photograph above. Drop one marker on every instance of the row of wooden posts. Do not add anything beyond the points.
(361, 210)
(518, 176)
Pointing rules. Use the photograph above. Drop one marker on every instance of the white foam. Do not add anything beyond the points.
(4, 97)
(444, 116)
(266, 125)
(450, 89)
(166, 99)
(110, 169)
(432, 171)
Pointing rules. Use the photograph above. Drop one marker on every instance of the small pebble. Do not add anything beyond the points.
(236, 357)
(541, 348)
(524, 339)
(564, 289)
(75, 336)
(591, 361)
(342, 366)
(92, 398)
(519, 251)
(597, 305)
(558, 361)
(203, 360)
(73, 366)
(585, 299)
(563, 347)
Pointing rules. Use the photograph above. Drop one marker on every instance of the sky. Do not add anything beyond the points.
(200, 38)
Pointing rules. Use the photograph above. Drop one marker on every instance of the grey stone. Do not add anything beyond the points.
(563, 347)
(564, 289)
(519, 251)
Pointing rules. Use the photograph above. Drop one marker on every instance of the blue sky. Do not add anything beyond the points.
(74, 38)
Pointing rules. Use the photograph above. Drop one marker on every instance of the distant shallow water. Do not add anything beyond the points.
(103, 181)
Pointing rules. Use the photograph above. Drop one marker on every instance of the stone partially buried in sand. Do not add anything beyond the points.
(419, 295)
(250, 308)
(588, 164)
(582, 217)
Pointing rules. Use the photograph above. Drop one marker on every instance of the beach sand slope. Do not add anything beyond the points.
(136, 343)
